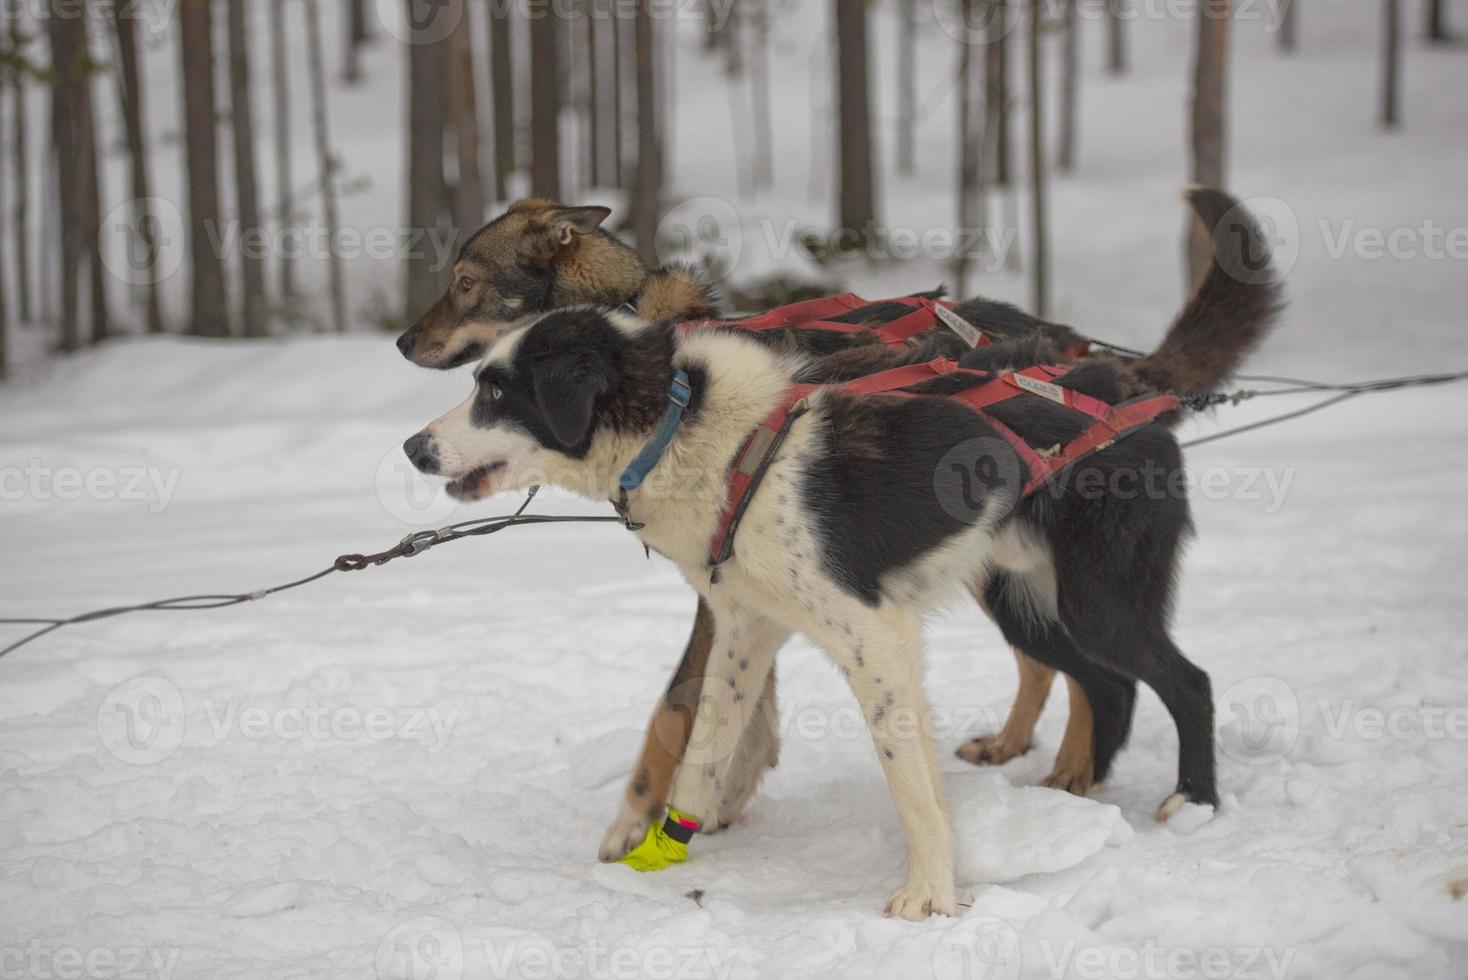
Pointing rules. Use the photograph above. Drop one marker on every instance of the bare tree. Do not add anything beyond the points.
(1070, 83)
(316, 60)
(280, 90)
(210, 316)
(545, 106)
(907, 83)
(759, 82)
(648, 181)
(996, 91)
(19, 147)
(252, 253)
(92, 187)
(425, 167)
(463, 121)
(858, 211)
(594, 172)
(130, 90)
(970, 149)
(4, 298)
(1209, 123)
(358, 35)
(620, 42)
(1391, 64)
(1289, 27)
(1116, 36)
(502, 92)
(1437, 21)
(1040, 264)
(68, 37)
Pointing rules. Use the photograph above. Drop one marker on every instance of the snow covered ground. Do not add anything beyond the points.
(407, 771)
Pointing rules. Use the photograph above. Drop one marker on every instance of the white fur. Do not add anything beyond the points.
(774, 585)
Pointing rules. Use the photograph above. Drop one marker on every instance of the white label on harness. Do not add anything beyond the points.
(1042, 388)
(970, 333)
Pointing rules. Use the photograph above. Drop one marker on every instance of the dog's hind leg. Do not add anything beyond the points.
(758, 752)
(1013, 740)
(662, 750)
(1075, 764)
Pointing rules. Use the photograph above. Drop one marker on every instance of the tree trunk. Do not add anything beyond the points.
(1209, 124)
(4, 298)
(595, 176)
(1289, 27)
(210, 317)
(282, 96)
(92, 186)
(502, 93)
(759, 82)
(545, 106)
(619, 82)
(1437, 21)
(1070, 83)
(646, 190)
(907, 85)
(969, 153)
(1041, 261)
(252, 246)
(425, 172)
(1391, 64)
(996, 91)
(19, 146)
(316, 59)
(463, 112)
(67, 53)
(854, 141)
(1116, 36)
(145, 224)
(357, 36)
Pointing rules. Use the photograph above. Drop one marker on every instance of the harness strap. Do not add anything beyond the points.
(1111, 423)
(750, 464)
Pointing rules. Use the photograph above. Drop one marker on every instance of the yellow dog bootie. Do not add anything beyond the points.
(665, 845)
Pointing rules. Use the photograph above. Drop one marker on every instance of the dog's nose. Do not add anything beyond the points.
(405, 342)
(422, 453)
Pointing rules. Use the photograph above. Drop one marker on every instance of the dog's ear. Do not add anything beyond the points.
(559, 227)
(566, 389)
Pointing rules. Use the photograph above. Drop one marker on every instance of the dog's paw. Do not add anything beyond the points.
(917, 900)
(990, 750)
(1200, 813)
(1077, 779)
(625, 833)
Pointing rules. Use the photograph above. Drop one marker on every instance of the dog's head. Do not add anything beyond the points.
(535, 257)
(543, 398)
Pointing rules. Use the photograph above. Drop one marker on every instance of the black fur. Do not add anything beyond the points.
(872, 487)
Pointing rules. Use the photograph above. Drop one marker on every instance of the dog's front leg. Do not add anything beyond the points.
(662, 751)
(743, 655)
(879, 654)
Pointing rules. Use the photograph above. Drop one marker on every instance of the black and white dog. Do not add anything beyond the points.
(853, 536)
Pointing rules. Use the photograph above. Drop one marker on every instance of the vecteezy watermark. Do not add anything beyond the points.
(1258, 720)
(978, 948)
(423, 948)
(37, 961)
(1409, 243)
(430, 948)
(1155, 961)
(145, 720)
(36, 481)
(1425, 722)
(153, 15)
(988, 21)
(430, 21)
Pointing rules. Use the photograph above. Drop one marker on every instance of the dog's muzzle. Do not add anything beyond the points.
(422, 452)
(406, 341)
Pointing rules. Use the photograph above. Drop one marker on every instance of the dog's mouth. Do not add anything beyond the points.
(471, 352)
(477, 483)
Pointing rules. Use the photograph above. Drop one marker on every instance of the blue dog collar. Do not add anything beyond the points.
(678, 396)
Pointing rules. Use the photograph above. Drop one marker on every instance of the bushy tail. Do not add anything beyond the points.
(1238, 302)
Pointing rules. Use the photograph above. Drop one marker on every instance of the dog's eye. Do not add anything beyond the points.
(465, 284)
(495, 393)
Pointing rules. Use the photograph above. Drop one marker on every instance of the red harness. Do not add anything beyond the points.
(816, 314)
(1111, 422)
